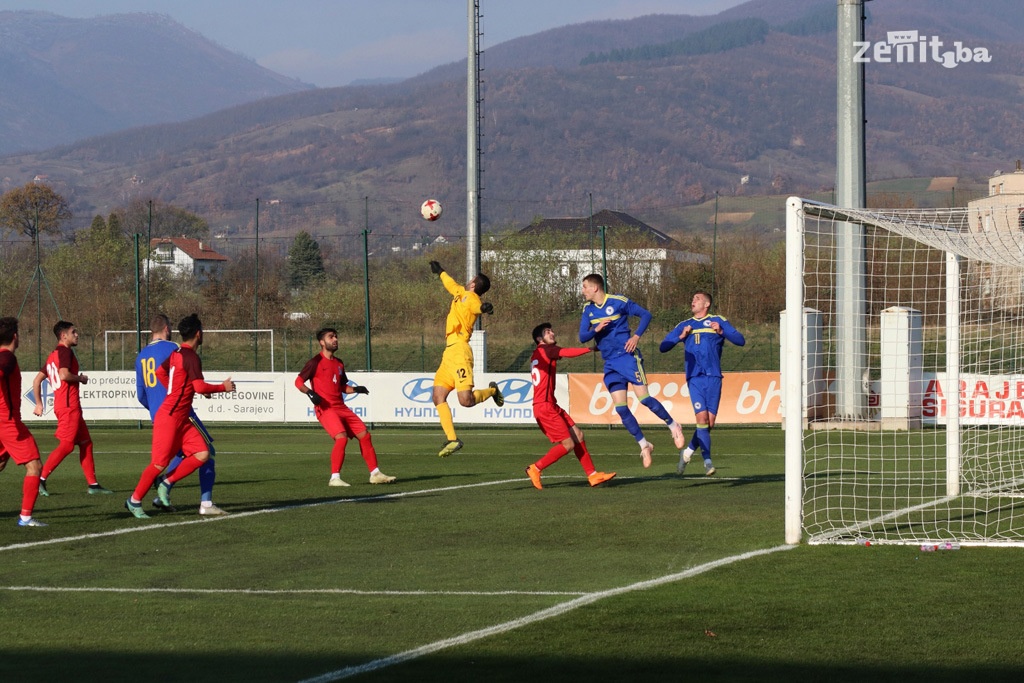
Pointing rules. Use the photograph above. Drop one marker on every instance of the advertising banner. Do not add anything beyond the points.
(397, 398)
(407, 398)
(747, 398)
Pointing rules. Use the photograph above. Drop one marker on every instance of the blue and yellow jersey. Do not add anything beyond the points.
(150, 392)
(616, 309)
(703, 346)
(462, 315)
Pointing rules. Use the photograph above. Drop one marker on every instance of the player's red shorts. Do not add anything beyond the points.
(18, 441)
(71, 427)
(553, 421)
(340, 421)
(170, 436)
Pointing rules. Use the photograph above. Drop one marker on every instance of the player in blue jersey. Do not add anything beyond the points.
(703, 337)
(606, 320)
(151, 394)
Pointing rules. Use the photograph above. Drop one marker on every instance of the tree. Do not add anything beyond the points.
(33, 209)
(305, 262)
(93, 278)
(168, 220)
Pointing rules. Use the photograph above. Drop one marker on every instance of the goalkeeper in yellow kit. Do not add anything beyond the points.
(456, 369)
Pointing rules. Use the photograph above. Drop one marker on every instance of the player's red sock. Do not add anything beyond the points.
(56, 456)
(552, 456)
(368, 452)
(146, 480)
(187, 467)
(338, 454)
(583, 455)
(88, 462)
(29, 494)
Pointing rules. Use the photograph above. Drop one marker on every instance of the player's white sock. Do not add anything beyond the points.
(376, 470)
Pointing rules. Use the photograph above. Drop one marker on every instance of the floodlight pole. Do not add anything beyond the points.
(851, 363)
(478, 342)
(366, 279)
(256, 293)
(149, 263)
(473, 143)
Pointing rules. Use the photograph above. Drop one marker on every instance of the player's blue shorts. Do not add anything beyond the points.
(621, 371)
(705, 393)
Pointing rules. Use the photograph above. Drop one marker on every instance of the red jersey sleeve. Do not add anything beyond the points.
(308, 370)
(66, 359)
(572, 353)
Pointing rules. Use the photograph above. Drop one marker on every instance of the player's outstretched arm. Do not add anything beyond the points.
(436, 268)
(732, 334)
(37, 392)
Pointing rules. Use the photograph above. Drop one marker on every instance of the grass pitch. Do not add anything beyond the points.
(462, 571)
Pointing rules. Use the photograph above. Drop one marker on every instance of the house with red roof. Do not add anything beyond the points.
(185, 257)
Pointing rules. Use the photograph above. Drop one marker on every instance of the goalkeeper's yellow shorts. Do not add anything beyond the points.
(456, 369)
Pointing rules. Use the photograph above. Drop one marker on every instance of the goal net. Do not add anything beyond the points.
(230, 350)
(903, 374)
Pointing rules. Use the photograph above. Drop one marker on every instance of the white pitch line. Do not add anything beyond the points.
(243, 515)
(295, 591)
(543, 614)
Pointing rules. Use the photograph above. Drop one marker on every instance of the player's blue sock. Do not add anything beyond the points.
(654, 405)
(694, 444)
(703, 436)
(207, 475)
(629, 422)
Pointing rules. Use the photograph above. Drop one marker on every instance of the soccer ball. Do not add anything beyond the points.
(431, 210)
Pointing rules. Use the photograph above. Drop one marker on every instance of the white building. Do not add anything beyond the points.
(555, 254)
(185, 256)
(1002, 211)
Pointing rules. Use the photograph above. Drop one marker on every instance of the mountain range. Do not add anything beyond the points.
(67, 79)
(613, 114)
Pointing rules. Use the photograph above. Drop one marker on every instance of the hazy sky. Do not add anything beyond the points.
(333, 42)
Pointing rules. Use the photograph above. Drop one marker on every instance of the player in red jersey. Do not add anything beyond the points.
(16, 442)
(61, 369)
(182, 374)
(327, 383)
(552, 419)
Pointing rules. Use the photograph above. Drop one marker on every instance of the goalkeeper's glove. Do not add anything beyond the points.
(314, 397)
(360, 390)
(436, 268)
(487, 307)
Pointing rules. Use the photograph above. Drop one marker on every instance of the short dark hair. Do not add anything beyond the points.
(483, 283)
(706, 295)
(8, 328)
(538, 332)
(189, 327)
(159, 322)
(595, 279)
(61, 327)
(322, 332)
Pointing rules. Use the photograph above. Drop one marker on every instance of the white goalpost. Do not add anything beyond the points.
(119, 346)
(934, 451)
